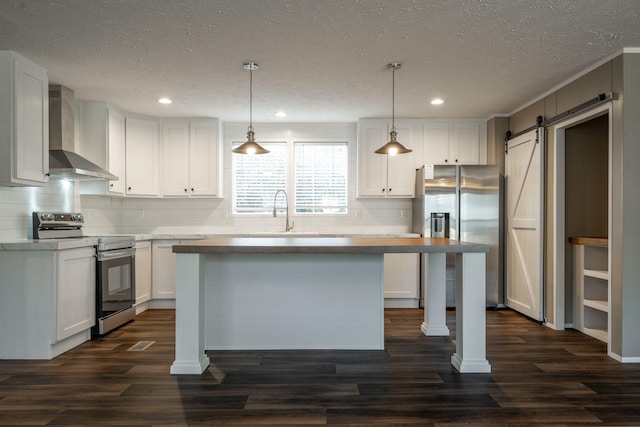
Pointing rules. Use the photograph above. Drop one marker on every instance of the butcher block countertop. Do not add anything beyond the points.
(590, 241)
(327, 245)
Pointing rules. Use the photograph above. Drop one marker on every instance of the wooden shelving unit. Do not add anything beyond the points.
(591, 286)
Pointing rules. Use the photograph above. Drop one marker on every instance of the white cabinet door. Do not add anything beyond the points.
(142, 157)
(447, 142)
(372, 167)
(436, 142)
(175, 158)
(401, 168)
(381, 175)
(191, 158)
(116, 148)
(102, 141)
(163, 285)
(401, 277)
(204, 158)
(465, 145)
(76, 291)
(143, 272)
(24, 122)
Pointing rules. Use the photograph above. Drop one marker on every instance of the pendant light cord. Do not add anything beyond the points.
(250, 99)
(393, 98)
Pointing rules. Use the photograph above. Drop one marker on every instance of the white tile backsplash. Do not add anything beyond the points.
(18, 203)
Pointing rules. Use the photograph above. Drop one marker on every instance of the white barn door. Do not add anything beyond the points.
(525, 207)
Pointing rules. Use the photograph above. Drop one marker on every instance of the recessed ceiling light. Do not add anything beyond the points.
(437, 101)
(164, 101)
(281, 114)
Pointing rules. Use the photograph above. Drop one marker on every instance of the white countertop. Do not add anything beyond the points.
(48, 244)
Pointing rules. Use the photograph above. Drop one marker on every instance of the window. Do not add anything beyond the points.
(256, 178)
(319, 184)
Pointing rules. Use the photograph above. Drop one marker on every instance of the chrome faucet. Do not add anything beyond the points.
(287, 227)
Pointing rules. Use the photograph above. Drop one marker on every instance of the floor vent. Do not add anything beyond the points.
(142, 345)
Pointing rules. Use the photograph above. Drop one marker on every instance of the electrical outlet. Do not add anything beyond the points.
(403, 213)
(358, 213)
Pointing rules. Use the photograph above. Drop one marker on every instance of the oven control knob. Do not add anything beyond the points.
(77, 217)
(47, 217)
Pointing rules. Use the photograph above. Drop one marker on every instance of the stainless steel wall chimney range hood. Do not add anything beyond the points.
(64, 162)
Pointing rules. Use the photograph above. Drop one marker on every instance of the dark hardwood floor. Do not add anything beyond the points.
(539, 376)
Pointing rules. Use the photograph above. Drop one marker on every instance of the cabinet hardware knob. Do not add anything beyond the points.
(446, 160)
(111, 185)
(383, 190)
(185, 190)
(390, 190)
(456, 160)
(192, 190)
(129, 188)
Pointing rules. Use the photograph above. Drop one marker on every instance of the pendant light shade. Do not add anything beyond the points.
(251, 146)
(393, 147)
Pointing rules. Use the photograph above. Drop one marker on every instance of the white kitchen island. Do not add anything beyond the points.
(315, 293)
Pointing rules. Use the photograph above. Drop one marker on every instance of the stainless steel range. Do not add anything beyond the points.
(115, 271)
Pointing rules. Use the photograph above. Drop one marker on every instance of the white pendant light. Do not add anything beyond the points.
(393, 147)
(251, 146)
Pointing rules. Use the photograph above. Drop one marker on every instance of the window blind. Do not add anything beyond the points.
(256, 178)
(321, 178)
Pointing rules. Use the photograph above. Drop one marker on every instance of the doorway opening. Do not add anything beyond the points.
(582, 187)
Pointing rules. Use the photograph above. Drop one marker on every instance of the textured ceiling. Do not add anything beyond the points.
(320, 60)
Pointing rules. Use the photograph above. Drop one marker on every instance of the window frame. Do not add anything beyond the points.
(290, 175)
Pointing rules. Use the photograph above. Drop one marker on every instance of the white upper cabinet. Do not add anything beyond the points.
(142, 152)
(464, 148)
(24, 122)
(452, 142)
(435, 137)
(382, 175)
(117, 144)
(102, 141)
(191, 156)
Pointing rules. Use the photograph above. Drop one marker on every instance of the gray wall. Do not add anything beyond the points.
(621, 76)
(627, 215)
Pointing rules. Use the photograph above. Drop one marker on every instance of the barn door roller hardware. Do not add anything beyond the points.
(541, 122)
(511, 135)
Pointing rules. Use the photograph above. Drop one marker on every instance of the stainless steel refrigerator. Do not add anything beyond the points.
(463, 202)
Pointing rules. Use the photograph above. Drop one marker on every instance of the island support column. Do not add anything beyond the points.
(471, 331)
(190, 356)
(435, 300)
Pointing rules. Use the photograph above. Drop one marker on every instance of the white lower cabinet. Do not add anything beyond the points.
(47, 301)
(76, 291)
(401, 280)
(163, 275)
(143, 275)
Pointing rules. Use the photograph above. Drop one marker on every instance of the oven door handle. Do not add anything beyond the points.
(122, 253)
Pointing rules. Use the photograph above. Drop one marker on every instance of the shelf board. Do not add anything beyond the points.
(599, 305)
(599, 334)
(598, 274)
